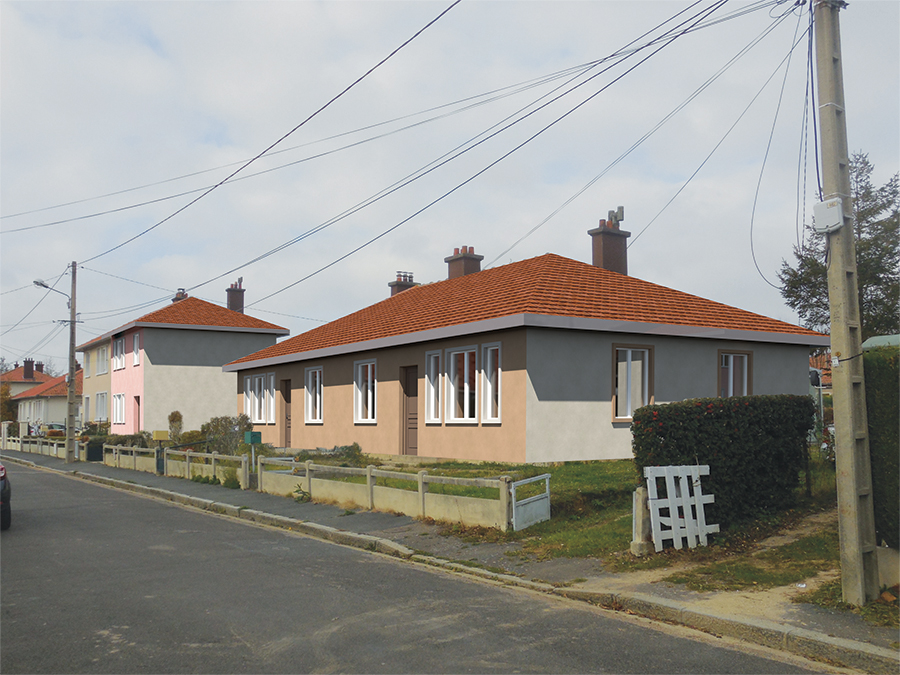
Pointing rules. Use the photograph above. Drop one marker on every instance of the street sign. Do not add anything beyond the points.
(252, 437)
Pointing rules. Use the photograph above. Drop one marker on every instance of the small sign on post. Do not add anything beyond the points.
(251, 438)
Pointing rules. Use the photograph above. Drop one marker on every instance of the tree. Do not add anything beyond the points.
(876, 221)
(9, 409)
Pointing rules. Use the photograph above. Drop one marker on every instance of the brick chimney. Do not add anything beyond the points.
(180, 295)
(28, 365)
(235, 294)
(404, 282)
(609, 249)
(39, 366)
(463, 262)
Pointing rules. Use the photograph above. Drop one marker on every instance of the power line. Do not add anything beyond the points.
(141, 283)
(37, 303)
(245, 165)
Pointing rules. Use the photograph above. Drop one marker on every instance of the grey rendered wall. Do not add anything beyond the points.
(569, 385)
(184, 373)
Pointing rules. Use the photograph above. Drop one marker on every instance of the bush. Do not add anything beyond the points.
(230, 478)
(138, 440)
(193, 438)
(96, 429)
(882, 373)
(754, 446)
(225, 434)
(176, 424)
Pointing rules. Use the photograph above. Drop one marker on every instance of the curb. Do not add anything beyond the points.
(799, 641)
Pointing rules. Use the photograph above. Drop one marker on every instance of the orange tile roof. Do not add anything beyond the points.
(545, 285)
(54, 387)
(17, 375)
(822, 363)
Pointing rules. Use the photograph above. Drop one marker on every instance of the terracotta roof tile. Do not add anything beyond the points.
(197, 312)
(17, 375)
(549, 285)
(55, 387)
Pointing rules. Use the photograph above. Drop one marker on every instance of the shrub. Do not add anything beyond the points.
(193, 438)
(882, 373)
(754, 446)
(138, 440)
(225, 434)
(230, 478)
(176, 425)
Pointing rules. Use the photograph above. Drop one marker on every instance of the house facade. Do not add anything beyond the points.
(24, 377)
(537, 361)
(47, 403)
(171, 359)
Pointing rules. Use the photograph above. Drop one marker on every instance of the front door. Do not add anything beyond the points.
(409, 378)
(286, 421)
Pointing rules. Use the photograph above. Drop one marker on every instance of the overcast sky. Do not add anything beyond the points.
(134, 97)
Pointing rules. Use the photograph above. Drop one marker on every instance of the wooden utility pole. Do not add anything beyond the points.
(856, 521)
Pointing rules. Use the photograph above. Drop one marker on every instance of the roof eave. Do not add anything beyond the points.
(182, 326)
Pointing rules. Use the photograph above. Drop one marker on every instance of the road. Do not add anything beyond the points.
(96, 580)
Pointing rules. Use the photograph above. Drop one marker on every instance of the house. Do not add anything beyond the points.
(47, 403)
(537, 361)
(171, 359)
(24, 377)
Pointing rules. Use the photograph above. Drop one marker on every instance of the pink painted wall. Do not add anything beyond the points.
(130, 382)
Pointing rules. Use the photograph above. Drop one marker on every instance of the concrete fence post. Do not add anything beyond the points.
(215, 454)
(134, 454)
(309, 472)
(245, 472)
(423, 488)
(370, 485)
(260, 469)
(505, 502)
(166, 462)
(187, 464)
(641, 533)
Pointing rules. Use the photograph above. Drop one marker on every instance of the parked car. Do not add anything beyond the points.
(5, 493)
(54, 426)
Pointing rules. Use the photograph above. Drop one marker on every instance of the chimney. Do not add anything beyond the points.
(404, 282)
(28, 364)
(463, 262)
(235, 296)
(609, 246)
(39, 366)
(180, 295)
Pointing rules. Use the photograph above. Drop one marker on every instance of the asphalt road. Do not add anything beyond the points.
(96, 580)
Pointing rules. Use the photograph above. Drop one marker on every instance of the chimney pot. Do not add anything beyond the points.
(608, 247)
(234, 297)
(456, 251)
(180, 295)
(403, 283)
(461, 263)
(39, 366)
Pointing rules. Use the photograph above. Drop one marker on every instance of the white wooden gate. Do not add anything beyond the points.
(679, 514)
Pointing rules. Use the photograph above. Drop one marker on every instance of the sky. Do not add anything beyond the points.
(115, 116)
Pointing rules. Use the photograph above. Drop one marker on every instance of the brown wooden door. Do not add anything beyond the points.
(286, 421)
(410, 380)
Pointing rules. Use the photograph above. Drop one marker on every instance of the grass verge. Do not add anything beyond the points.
(882, 612)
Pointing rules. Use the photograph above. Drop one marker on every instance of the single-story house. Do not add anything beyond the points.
(171, 359)
(537, 361)
(47, 403)
(24, 377)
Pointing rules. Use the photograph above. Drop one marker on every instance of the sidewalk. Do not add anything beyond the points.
(839, 638)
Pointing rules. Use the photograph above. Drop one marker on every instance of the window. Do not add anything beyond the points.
(432, 387)
(119, 354)
(259, 398)
(734, 373)
(314, 395)
(136, 349)
(118, 411)
(364, 392)
(87, 364)
(100, 403)
(461, 385)
(102, 360)
(86, 410)
(490, 396)
(632, 382)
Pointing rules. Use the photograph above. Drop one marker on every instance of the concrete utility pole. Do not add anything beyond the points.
(70, 393)
(856, 520)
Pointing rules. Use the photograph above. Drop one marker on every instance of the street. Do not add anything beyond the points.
(96, 580)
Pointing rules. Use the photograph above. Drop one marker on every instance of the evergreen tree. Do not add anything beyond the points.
(876, 216)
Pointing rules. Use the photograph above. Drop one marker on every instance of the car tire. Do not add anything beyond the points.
(5, 519)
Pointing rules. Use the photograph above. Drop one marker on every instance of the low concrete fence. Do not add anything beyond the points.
(43, 446)
(322, 483)
(178, 463)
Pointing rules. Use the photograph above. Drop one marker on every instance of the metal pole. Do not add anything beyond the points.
(856, 521)
(70, 394)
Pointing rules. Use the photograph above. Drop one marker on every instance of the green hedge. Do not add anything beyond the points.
(882, 371)
(754, 446)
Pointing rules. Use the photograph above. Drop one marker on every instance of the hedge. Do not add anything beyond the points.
(754, 446)
(882, 375)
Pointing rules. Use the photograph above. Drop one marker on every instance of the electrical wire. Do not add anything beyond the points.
(270, 147)
(37, 304)
(140, 283)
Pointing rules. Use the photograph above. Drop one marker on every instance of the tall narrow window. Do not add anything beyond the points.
(461, 385)
(734, 373)
(259, 399)
(490, 396)
(248, 398)
(87, 364)
(364, 392)
(86, 410)
(136, 349)
(270, 398)
(103, 360)
(314, 395)
(118, 412)
(119, 354)
(433, 387)
(632, 380)
(101, 414)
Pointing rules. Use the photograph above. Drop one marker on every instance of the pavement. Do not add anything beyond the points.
(770, 619)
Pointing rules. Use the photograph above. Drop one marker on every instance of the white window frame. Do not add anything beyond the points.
(248, 397)
(365, 396)
(726, 360)
(85, 409)
(259, 398)
(489, 387)
(87, 364)
(101, 403)
(470, 398)
(646, 383)
(136, 349)
(313, 397)
(119, 353)
(433, 408)
(118, 409)
(103, 360)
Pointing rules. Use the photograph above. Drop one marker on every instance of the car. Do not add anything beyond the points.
(53, 426)
(5, 493)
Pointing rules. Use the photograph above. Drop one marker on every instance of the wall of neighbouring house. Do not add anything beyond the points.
(504, 441)
(94, 384)
(128, 380)
(183, 371)
(570, 385)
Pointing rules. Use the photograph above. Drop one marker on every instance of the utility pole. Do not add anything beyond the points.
(70, 393)
(856, 520)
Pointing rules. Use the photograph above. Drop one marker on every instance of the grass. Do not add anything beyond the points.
(881, 612)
